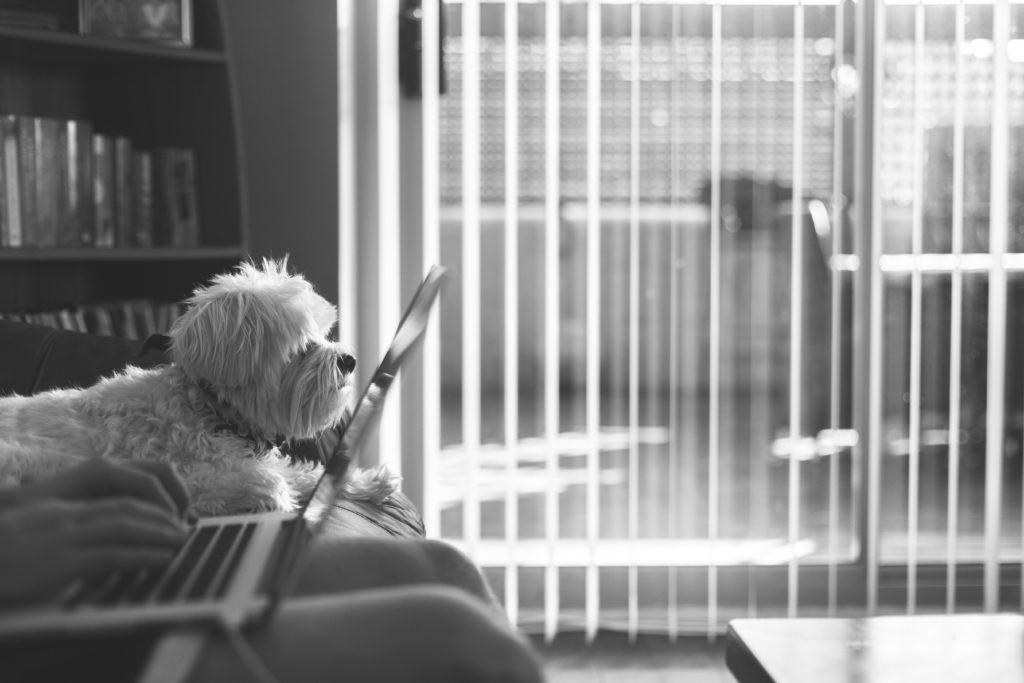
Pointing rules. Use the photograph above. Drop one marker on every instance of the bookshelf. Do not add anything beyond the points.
(159, 97)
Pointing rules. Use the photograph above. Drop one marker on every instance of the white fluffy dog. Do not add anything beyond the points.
(253, 367)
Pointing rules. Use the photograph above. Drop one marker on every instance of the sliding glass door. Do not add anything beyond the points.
(731, 314)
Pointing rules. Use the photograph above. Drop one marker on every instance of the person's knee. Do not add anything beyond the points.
(473, 645)
(451, 567)
(448, 563)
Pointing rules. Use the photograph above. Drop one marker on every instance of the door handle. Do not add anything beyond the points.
(410, 47)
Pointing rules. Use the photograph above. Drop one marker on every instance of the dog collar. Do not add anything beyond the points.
(261, 445)
(233, 426)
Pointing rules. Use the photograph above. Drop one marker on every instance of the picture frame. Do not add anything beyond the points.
(157, 21)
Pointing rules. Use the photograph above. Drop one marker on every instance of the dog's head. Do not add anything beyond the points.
(257, 338)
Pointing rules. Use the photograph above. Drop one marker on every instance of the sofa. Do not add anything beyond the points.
(36, 358)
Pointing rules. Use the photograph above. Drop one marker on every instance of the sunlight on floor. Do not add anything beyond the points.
(492, 475)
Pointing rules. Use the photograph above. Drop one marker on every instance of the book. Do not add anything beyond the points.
(67, 320)
(143, 312)
(46, 196)
(142, 195)
(79, 317)
(166, 314)
(118, 320)
(5, 219)
(103, 191)
(12, 180)
(26, 171)
(184, 213)
(98, 320)
(48, 318)
(163, 196)
(123, 218)
(74, 210)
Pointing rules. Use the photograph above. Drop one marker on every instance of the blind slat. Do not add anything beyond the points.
(511, 299)
(347, 215)
(837, 313)
(634, 307)
(917, 225)
(552, 84)
(431, 255)
(868, 186)
(674, 445)
(471, 267)
(796, 306)
(714, 322)
(996, 371)
(593, 370)
(956, 317)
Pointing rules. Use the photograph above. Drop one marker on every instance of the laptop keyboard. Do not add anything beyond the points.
(202, 569)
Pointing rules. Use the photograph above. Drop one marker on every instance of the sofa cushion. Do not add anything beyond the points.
(36, 358)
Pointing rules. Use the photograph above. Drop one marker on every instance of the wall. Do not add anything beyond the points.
(286, 71)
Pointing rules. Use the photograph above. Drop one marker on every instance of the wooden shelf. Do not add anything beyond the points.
(54, 45)
(30, 254)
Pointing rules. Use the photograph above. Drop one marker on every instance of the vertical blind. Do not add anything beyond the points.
(730, 329)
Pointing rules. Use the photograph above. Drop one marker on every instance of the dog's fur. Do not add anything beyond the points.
(252, 367)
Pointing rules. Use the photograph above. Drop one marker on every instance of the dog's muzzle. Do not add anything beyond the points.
(346, 363)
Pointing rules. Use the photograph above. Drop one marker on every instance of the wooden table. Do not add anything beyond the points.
(972, 648)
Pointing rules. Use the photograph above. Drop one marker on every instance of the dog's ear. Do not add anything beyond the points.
(227, 340)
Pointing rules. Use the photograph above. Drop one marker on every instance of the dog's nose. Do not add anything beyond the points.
(346, 362)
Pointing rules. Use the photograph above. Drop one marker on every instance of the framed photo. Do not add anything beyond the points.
(158, 21)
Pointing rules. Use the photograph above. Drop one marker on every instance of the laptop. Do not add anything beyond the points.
(232, 570)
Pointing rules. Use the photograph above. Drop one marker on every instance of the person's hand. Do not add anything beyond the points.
(95, 520)
(49, 544)
(151, 482)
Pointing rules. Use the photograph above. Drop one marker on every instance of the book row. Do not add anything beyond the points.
(131, 318)
(64, 185)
